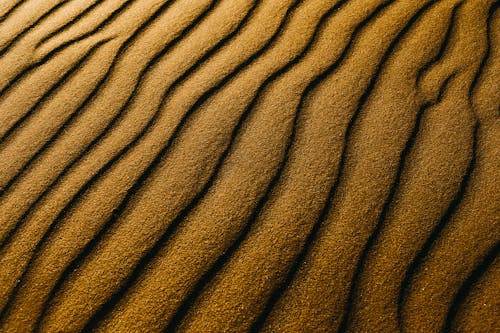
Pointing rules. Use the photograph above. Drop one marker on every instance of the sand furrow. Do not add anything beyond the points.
(11, 40)
(249, 165)
(488, 264)
(80, 16)
(269, 79)
(8, 8)
(344, 162)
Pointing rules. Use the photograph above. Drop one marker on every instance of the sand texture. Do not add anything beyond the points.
(250, 166)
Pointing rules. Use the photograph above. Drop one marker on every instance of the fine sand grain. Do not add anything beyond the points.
(249, 165)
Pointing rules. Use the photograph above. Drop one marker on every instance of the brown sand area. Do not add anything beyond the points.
(249, 165)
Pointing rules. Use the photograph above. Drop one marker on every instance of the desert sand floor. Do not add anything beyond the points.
(249, 165)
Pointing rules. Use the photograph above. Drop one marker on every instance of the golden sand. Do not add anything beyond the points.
(249, 165)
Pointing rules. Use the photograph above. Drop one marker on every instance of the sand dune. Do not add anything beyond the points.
(249, 165)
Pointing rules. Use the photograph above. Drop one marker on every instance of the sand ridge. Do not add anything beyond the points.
(249, 165)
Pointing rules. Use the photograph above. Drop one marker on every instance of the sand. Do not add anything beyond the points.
(249, 165)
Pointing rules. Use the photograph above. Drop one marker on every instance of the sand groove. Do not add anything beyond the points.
(249, 165)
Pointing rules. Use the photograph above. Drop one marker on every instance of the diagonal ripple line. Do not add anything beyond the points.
(217, 265)
(436, 232)
(11, 10)
(389, 200)
(182, 78)
(122, 49)
(444, 43)
(66, 25)
(486, 56)
(348, 307)
(106, 22)
(67, 271)
(402, 161)
(4, 49)
(143, 73)
(467, 287)
(88, 248)
(282, 287)
(72, 119)
(65, 45)
(419, 258)
(44, 98)
(106, 307)
(114, 120)
(489, 259)
(311, 236)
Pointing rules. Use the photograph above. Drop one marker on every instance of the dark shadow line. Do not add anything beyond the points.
(468, 285)
(154, 60)
(119, 155)
(444, 43)
(89, 246)
(122, 49)
(44, 98)
(145, 175)
(10, 11)
(364, 98)
(73, 20)
(487, 53)
(75, 262)
(5, 48)
(283, 286)
(60, 48)
(480, 270)
(183, 309)
(436, 232)
(106, 307)
(73, 117)
(410, 143)
(226, 255)
(109, 19)
(402, 162)
(129, 100)
(157, 57)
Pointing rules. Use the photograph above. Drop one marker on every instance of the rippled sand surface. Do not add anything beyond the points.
(249, 165)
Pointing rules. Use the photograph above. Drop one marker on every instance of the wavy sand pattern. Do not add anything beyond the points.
(249, 165)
